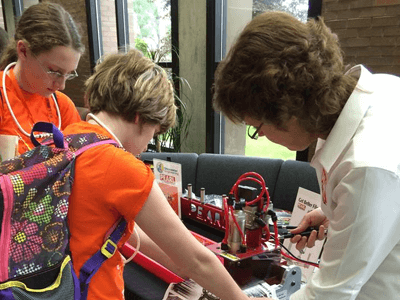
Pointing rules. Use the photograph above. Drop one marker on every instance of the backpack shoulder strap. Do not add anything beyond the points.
(80, 142)
(2, 107)
(93, 264)
(103, 142)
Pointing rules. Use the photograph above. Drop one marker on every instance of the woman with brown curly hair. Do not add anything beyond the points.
(287, 80)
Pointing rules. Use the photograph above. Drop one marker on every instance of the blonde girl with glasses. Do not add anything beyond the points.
(43, 54)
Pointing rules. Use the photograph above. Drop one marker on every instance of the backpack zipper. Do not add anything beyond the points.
(6, 187)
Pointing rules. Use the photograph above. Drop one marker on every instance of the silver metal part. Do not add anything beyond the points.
(250, 216)
(290, 283)
(189, 191)
(234, 238)
(202, 195)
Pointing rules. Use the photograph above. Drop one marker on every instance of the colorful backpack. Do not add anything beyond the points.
(35, 188)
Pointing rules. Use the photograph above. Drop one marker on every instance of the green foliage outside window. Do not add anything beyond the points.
(172, 140)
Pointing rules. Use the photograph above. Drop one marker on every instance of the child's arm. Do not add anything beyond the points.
(164, 227)
(150, 249)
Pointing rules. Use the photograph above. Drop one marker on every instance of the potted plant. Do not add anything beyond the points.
(172, 140)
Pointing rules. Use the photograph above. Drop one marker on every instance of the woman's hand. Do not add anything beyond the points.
(315, 218)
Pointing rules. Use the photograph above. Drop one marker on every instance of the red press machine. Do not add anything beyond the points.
(249, 251)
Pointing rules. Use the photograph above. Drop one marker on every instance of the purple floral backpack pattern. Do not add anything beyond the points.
(35, 188)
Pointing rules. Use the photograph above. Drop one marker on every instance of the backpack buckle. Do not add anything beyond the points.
(109, 248)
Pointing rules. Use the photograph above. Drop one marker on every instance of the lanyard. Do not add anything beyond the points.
(94, 118)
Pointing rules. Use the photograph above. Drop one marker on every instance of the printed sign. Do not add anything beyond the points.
(306, 201)
(169, 177)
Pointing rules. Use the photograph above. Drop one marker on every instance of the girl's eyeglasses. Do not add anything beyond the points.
(55, 75)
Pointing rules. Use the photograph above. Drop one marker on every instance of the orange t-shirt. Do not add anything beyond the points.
(31, 108)
(109, 183)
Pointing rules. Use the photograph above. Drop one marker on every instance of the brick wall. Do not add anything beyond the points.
(75, 88)
(368, 31)
(108, 26)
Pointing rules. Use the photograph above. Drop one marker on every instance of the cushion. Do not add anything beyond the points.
(217, 173)
(292, 175)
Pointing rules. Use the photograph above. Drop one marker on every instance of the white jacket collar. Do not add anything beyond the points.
(349, 119)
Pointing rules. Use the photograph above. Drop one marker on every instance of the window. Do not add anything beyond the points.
(28, 3)
(2, 25)
(262, 147)
(297, 8)
(150, 23)
(153, 30)
(108, 27)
